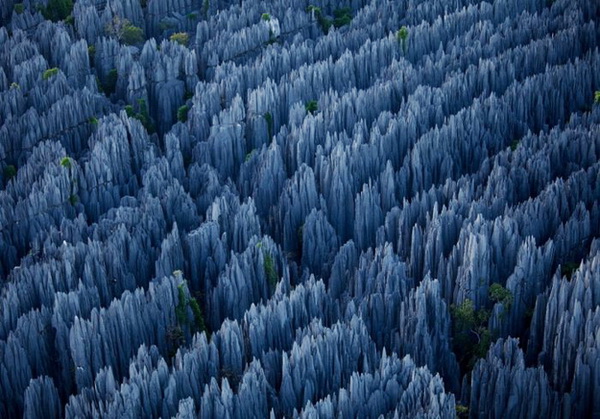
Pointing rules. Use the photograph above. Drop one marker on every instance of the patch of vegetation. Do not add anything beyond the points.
(567, 269)
(10, 172)
(342, 17)
(205, 8)
(198, 324)
(93, 120)
(471, 338)
(514, 144)
(125, 31)
(266, 17)
(192, 16)
(66, 162)
(14, 85)
(188, 95)
(182, 38)
(165, 25)
(175, 338)
(92, 54)
(462, 412)
(311, 106)
(499, 294)
(597, 96)
(57, 10)
(182, 113)
(73, 199)
(270, 271)
(324, 23)
(141, 115)
(19, 8)
(132, 35)
(269, 118)
(402, 36)
(250, 155)
(51, 72)
(198, 317)
(70, 20)
(110, 85)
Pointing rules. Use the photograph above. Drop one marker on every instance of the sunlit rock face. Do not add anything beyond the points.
(248, 209)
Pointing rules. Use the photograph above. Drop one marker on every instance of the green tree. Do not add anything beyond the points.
(132, 35)
(597, 96)
(324, 23)
(181, 38)
(66, 162)
(57, 10)
(471, 338)
(19, 8)
(499, 294)
(125, 31)
(311, 106)
(266, 17)
(51, 72)
(110, 84)
(342, 17)
(402, 36)
(270, 270)
(182, 113)
(269, 118)
(205, 8)
(10, 172)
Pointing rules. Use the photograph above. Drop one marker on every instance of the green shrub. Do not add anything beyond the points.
(499, 294)
(514, 144)
(311, 106)
(70, 20)
(322, 20)
(205, 8)
(198, 317)
(597, 96)
(132, 35)
(73, 199)
(92, 54)
(182, 113)
(181, 310)
(269, 118)
(342, 17)
(266, 17)
(250, 155)
(462, 411)
(10, 172)
(567, 269)
(402, 36)
(471, 338)
(192, 16)
(125, 31)
(66, 162)
(51, 72)
(141, 115)
(19, 8)
(181, 38)
(270, 271)
(93, 120)
(57, 10)
(111, 82)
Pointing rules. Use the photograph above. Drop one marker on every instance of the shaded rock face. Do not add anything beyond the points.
(242, 209)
